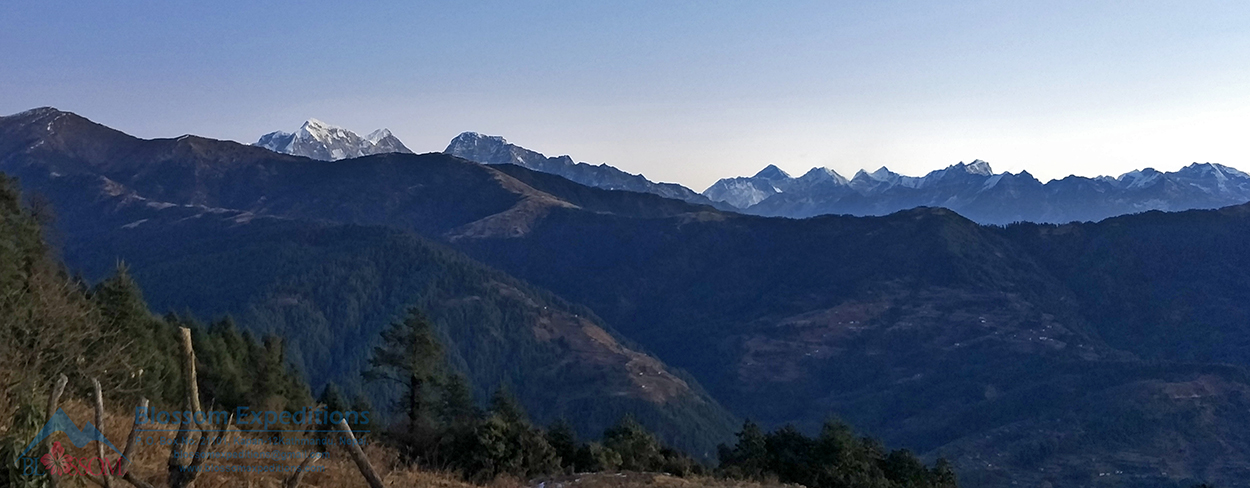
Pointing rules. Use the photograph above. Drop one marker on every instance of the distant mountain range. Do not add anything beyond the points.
(976, 192)
(744, 193)
(1093, 354)
(495, 150)
(319, 140)
(973, 190)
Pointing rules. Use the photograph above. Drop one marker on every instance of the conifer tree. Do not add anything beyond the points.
(332, 398)
(455, 404)
(226, 376)
(506, 406)
(563, 440)
(639, 448)
(409, 358)
(361, 403)
(943, 474)
(130, 331)
(514, 445)
(272, 385)
(749, 457)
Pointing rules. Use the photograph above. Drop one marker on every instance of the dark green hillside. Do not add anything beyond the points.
(330, 289)
(57, 326)
(1166, 286)
(922, 327)
(669, 281)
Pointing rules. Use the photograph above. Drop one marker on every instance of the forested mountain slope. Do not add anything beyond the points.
(330, 288)
(988, 345)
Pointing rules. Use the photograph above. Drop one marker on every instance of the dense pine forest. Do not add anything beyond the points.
(54, 322)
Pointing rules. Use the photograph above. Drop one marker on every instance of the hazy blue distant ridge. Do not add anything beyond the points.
(975, 191)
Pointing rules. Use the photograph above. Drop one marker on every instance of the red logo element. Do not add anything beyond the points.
(56, 461)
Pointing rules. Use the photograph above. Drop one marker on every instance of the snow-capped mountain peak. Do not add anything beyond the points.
(1139, 178)
(273, 141)
(482, 148)
(882, 174)
(1212, 179)
(319, 140)
(822, 175)
(979, 167)
(377, 135)
(318, 127)
(1217, 171)
(1232, 172)
(773, 173)
(477, 136)
(883, 179)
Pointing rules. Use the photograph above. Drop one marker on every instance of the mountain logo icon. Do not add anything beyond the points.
(60, 422)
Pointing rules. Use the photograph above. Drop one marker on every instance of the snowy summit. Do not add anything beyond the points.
(319, 140)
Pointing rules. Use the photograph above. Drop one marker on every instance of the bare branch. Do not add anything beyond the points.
(225, 430)
(53, 399)
(99, 425)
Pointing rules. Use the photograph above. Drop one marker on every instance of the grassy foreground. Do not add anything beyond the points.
(338, 470)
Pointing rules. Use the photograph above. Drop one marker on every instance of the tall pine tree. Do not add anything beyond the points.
(409, 358)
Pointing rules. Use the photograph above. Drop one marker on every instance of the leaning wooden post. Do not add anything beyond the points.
(180, 476)
(54, 398)
(188, 368)
(99, 425)
(358, 455)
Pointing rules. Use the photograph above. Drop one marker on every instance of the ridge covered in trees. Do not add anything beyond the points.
(1042, 347)
(330, 290)
(442, 426)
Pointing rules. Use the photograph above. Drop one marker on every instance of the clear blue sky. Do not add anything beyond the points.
(680, 91)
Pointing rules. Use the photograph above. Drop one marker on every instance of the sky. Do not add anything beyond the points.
(679, 91)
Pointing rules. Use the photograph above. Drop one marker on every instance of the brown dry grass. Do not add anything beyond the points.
(340, 471)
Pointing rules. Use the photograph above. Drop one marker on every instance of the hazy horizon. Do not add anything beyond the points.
(679, 92)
